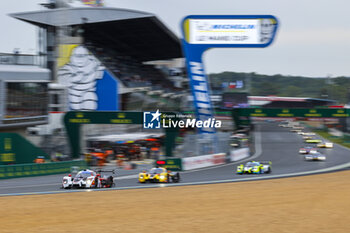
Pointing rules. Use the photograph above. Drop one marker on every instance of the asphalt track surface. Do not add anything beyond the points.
(273, 143)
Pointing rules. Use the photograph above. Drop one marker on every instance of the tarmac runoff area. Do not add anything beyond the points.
(315, 203)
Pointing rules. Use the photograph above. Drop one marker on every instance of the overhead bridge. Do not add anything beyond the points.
(292, 112)
(241, 116)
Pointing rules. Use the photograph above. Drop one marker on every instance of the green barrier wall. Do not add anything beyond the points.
(33, 169)
(14, 149)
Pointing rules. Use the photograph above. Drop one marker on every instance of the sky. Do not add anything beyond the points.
(313, 38)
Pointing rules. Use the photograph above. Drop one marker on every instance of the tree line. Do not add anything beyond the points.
(337, 88)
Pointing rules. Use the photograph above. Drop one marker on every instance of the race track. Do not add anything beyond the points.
(273, 143)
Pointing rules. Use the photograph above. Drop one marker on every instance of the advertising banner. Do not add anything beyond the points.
(15, 149)
(170, 164)
(203, 161)
(201, 32)
(92, 2)
(294, 112)
(228, 31)
(239, 154)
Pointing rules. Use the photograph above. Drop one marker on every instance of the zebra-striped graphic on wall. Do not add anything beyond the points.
(88, 82)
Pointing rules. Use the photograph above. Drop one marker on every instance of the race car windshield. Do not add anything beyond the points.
(84, 174)
(251, 164)
(156, 170)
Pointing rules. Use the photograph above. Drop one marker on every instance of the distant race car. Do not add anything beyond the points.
(159, 175)
(88, 179)
(315, 157)
(325, 145)
(297, 129)
(309, 134)
(307, 137)
(254, 167)
(307, 150)
(313, 140)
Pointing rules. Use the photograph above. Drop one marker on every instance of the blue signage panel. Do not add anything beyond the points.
(201, 32)
(107, 93)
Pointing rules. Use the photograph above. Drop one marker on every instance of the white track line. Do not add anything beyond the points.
(257, 153)
(338, 167)
(29, 186)
(57, 184)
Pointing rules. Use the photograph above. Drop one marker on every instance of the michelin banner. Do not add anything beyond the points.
(231, 31)
(201, 32)
(90, 85)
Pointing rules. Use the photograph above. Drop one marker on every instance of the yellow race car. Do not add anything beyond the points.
(159, 175)
(254, 167)
(313, 140)
(325, 145)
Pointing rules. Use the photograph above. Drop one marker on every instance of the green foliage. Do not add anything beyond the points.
(338, 140)
(293, 91)
(294, 86)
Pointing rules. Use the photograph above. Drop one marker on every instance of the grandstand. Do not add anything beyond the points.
(23, 92)
(124, 41)
(136, 52)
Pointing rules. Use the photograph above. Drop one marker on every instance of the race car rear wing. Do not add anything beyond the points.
(266, 162)
(105, 171)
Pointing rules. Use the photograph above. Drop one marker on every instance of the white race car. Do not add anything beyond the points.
(309, 134)
(88, 179)
(315, 157)
(307, 150)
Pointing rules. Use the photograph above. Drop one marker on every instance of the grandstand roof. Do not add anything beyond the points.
(277, 98)
(138, 34)
(285, 102)
(23, 68)
(288, 99)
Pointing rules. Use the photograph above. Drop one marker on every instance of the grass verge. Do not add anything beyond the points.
(344, 141)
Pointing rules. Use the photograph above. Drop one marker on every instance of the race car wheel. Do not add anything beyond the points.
(110, 181)
(176, 178)
(268, 170)
(96, 183)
